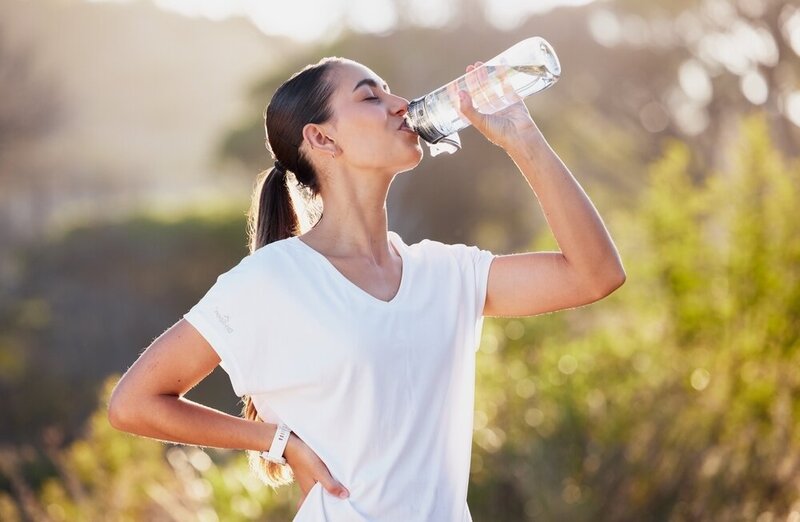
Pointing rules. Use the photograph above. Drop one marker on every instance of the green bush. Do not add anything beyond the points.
(676, 398)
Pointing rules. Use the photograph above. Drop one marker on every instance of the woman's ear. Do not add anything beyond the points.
(318, 140)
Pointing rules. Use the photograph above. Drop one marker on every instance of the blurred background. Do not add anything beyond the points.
(131, 133)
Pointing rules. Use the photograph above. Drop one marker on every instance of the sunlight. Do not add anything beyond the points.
(792, 107)
(754, 87)
(605, 27)
(509, 14)
(791, 27)
(432, 14)
(315, 20)
(372, 16)
(695, 81)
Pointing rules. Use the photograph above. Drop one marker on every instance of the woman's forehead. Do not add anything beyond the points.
(350, 76)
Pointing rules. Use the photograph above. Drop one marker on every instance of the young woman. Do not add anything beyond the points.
(354, 351)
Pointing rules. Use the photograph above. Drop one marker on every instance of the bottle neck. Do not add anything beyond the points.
(419, 121)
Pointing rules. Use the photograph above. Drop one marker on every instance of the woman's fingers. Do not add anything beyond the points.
(471, 80)
(466, 108)
(309, 469)
(323, 476)
(508, 90)
(490, 100)
(329, 483)
(334, 487)
(466, 104)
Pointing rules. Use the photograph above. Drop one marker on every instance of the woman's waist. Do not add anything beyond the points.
(419, 499)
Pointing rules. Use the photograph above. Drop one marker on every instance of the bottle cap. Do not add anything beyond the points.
(418, 118)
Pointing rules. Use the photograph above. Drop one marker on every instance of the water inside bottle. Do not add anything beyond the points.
(489, 95)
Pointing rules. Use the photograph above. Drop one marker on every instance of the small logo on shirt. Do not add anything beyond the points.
(224, 319)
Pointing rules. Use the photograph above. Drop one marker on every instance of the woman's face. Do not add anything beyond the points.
(366, 122)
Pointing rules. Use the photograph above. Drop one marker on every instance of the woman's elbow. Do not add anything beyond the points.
(609, 284)
(121, 409)
(618, 278)
(614, 282)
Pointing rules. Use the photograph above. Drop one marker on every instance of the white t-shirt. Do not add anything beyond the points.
(381, 391)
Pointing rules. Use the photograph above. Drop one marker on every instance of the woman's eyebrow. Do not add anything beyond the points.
(371, 83)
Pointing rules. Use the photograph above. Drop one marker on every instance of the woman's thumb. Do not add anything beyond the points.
(334, 488)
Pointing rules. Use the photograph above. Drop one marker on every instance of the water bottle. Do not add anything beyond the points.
(525, 68)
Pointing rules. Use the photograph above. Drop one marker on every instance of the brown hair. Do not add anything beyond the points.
(302, 99)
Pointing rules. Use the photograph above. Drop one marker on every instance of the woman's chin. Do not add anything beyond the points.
(412, 163)
(417, 157)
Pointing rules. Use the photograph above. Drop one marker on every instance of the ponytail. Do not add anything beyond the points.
(302, 99)
(272, 216)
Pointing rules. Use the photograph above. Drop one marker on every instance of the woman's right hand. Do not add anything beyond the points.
(309, 469)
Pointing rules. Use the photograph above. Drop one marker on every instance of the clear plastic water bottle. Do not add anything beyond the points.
(525, 68)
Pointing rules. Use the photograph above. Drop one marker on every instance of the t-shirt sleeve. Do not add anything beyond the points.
(227, 316)
(474, 263)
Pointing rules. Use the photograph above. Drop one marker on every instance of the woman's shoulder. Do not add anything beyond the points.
(266, 259)
(274, 249)
(441, 247)
(460, 253)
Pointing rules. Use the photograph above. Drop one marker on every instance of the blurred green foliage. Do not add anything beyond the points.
(676, 398)
(673, 399)
(107, 475)
(87, 301)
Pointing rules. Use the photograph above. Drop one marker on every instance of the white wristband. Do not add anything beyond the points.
(275, 453)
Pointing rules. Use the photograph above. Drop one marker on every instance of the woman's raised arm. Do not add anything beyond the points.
(587, 268)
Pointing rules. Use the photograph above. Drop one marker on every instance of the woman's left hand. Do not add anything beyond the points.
(504, 127)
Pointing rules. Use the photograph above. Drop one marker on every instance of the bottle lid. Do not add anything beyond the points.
(419, 121)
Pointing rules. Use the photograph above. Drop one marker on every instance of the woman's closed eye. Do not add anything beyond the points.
(372, 98)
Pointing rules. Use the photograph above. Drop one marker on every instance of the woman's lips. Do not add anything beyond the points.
(404, 127)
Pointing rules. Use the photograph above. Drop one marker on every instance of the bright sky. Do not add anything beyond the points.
(308, 20)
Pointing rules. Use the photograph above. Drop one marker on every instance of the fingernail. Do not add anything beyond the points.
(343, 494)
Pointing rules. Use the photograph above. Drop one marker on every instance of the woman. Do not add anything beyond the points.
(361, 345)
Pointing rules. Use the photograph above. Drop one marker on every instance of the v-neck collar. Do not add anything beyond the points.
(395, 240)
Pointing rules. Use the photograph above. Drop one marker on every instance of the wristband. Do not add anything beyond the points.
(275, 453)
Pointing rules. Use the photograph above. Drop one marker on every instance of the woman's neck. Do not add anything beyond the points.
(354, 222)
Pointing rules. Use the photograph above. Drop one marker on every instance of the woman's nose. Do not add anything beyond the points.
(400, 106)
